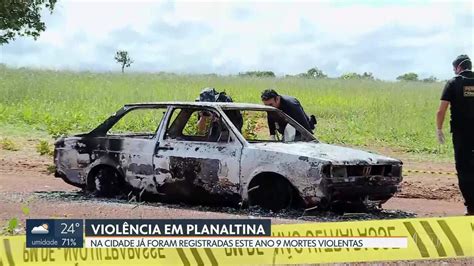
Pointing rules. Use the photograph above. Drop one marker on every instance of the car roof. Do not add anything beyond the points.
(223, 105)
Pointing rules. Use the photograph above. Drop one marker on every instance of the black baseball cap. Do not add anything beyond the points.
(268, 94)
(460, 60)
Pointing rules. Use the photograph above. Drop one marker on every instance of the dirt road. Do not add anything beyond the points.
(25, 181)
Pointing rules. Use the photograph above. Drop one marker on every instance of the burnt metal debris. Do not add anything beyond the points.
(222, 167)
(252, 212)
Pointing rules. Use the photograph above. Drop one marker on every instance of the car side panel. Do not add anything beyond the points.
(304, 174)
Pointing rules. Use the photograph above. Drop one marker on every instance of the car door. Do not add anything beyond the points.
(190, 161)
(131, 141)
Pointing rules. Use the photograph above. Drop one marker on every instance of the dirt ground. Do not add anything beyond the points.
(25, 181)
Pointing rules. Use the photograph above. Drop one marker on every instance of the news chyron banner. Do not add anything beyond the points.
(235, 242)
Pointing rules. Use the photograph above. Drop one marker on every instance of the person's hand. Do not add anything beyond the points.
(440, 135)
(272, 137)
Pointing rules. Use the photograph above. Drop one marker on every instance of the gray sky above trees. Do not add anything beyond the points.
(387, 39)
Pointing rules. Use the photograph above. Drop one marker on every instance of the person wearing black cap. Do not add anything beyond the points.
(290, 106)
(459, 94)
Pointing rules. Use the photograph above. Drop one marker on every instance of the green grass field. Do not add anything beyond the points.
(398, 115)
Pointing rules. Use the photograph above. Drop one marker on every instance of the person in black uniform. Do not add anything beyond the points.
(290, 106)
(459, 94)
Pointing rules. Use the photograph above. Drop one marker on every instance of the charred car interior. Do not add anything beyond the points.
(198, 153)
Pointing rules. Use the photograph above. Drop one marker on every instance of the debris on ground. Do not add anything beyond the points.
(252, 212)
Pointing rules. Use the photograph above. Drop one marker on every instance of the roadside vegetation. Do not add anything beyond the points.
(44, 148)
(356, 112)
(8, 144)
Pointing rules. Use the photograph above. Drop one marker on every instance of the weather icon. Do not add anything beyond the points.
(40, 230)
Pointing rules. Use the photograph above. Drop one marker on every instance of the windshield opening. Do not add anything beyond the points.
(271, 126)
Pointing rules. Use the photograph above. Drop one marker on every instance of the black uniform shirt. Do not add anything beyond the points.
(292, 107)
(459, 91)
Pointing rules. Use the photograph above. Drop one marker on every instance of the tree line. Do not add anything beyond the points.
(316, 73)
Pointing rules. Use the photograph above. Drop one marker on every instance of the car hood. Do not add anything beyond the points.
(326, 152)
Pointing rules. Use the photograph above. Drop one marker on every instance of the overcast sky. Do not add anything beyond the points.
(387, 38)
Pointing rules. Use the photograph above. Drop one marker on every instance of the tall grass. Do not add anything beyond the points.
(355, 112)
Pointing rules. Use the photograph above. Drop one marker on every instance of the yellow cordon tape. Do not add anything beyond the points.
(429, 172)
(428, 238)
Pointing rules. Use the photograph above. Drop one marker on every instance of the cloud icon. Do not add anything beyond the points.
(40, 230)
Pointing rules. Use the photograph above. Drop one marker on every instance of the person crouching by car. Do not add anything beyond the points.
(290, 106)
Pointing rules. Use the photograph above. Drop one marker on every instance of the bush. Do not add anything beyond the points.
(43, 148)
(314, 73)
(353, 75)
(56, 130)
(51, 169)
(250, 127)
(259, 74)
(408, 77)
(7, 144)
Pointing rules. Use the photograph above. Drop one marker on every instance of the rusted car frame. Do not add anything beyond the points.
(227, 169)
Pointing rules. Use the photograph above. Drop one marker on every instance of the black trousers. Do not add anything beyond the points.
(463, 143)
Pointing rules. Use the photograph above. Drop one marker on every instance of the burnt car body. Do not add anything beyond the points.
(173, 162)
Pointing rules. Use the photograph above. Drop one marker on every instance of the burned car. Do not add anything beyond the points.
(193, 152)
